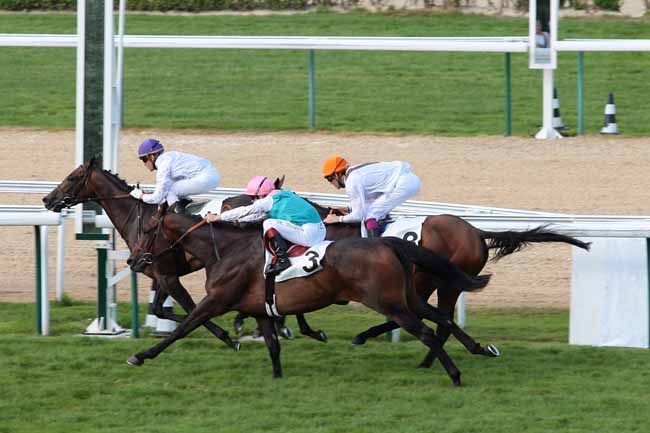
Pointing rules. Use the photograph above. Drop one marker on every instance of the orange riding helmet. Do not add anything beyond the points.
(333, 165)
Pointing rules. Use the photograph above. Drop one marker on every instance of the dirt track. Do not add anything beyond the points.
(594, 175)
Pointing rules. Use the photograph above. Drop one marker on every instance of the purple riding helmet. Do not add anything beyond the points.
(149, 146)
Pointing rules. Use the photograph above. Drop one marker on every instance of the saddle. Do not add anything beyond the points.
(189, 207)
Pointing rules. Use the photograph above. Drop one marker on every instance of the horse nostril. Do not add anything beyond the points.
(45, 200)
(129, 261)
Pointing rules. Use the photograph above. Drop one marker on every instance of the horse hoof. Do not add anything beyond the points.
(135, 361)
(456, 381)
(322, 336)
(286, 332)
(236, 345)
(238, 324)
(358, 341)
(492, 351)
(424, 364)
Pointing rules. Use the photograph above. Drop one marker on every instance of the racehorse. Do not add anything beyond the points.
(448, 236)
(89, 182)
(375, 272)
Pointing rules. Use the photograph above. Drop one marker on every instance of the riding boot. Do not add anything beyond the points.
(179, 206)
(162, 210)
(372, 233)
(279, 247)
(372, 228)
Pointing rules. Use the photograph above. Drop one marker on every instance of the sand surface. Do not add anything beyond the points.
(593, 175)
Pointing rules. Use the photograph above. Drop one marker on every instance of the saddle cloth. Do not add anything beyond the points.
(303, 265)
(204, 208)
(407, 228)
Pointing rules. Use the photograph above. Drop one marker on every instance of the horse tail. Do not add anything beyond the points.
(446, 275)
(508, 242)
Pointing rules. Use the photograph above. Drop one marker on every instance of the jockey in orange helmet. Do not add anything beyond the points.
(290, 217)
(374, 189)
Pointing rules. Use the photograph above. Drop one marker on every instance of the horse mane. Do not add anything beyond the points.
(118, 181)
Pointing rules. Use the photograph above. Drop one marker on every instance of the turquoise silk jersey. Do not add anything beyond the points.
(290, 207)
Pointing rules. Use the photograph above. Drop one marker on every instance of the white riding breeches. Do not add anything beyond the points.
(306, 235)
(199, 184)
(408, 184)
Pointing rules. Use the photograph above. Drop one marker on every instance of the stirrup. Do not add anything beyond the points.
(278, 267)
(372, 233)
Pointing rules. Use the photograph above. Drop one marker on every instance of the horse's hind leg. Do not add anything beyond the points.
(174, 287)
(390, 325)
(305, 329)
(414, 326)
(207, 309)
(272, 343)
(446, 325)
(375, 331)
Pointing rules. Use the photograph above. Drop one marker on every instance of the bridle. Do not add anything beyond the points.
(148, 257)
(71, 199)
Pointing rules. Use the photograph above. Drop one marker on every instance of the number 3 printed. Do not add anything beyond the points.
(313, 258)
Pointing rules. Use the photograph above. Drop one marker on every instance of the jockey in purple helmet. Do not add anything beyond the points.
(288, 216)
(179, 174)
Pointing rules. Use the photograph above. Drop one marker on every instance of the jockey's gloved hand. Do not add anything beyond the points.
(137, 193)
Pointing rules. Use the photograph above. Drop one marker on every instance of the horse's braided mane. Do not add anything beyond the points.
(117, 180)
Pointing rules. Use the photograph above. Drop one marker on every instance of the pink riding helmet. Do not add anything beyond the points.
(259, 185)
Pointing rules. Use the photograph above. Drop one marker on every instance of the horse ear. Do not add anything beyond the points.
(279, 182)
(93, 162)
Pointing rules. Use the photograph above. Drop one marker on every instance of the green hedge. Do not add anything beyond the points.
(608, 5)
(168, 5)
(245, 5)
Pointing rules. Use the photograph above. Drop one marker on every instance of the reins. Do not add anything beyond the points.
(149, 258)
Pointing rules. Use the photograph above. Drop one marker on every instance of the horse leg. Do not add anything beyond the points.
(466, 340)
(305, 329)
(447, 326)
(446, 304)
(203, 312)
(272, 343)
(414, 326)
(387, 326)
(238, 323)
(183, 298)
(282, 328)
(373, 332)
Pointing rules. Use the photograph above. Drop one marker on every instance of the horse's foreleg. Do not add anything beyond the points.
(272, 343)
(205, 310)
(414, 326)
(305, 329)
(174, 287)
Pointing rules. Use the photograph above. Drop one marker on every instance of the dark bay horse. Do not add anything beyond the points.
(375, 272)
(89, 182)
(448, 236)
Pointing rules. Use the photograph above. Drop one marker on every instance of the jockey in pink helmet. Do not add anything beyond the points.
(179, 174)
(289, 217)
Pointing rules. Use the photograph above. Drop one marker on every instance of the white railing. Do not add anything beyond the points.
(477, 44)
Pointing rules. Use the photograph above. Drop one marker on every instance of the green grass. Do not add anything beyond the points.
(398, 92)
(69, 383)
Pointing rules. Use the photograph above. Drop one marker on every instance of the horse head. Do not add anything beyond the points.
(74, 189)
(142, 254)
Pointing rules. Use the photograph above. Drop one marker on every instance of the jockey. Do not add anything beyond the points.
(179, 175)
(374, 189)
(290, 217)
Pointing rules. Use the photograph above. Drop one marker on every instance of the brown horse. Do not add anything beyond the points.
(375, 272)
(448, 236)
(89, 182)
